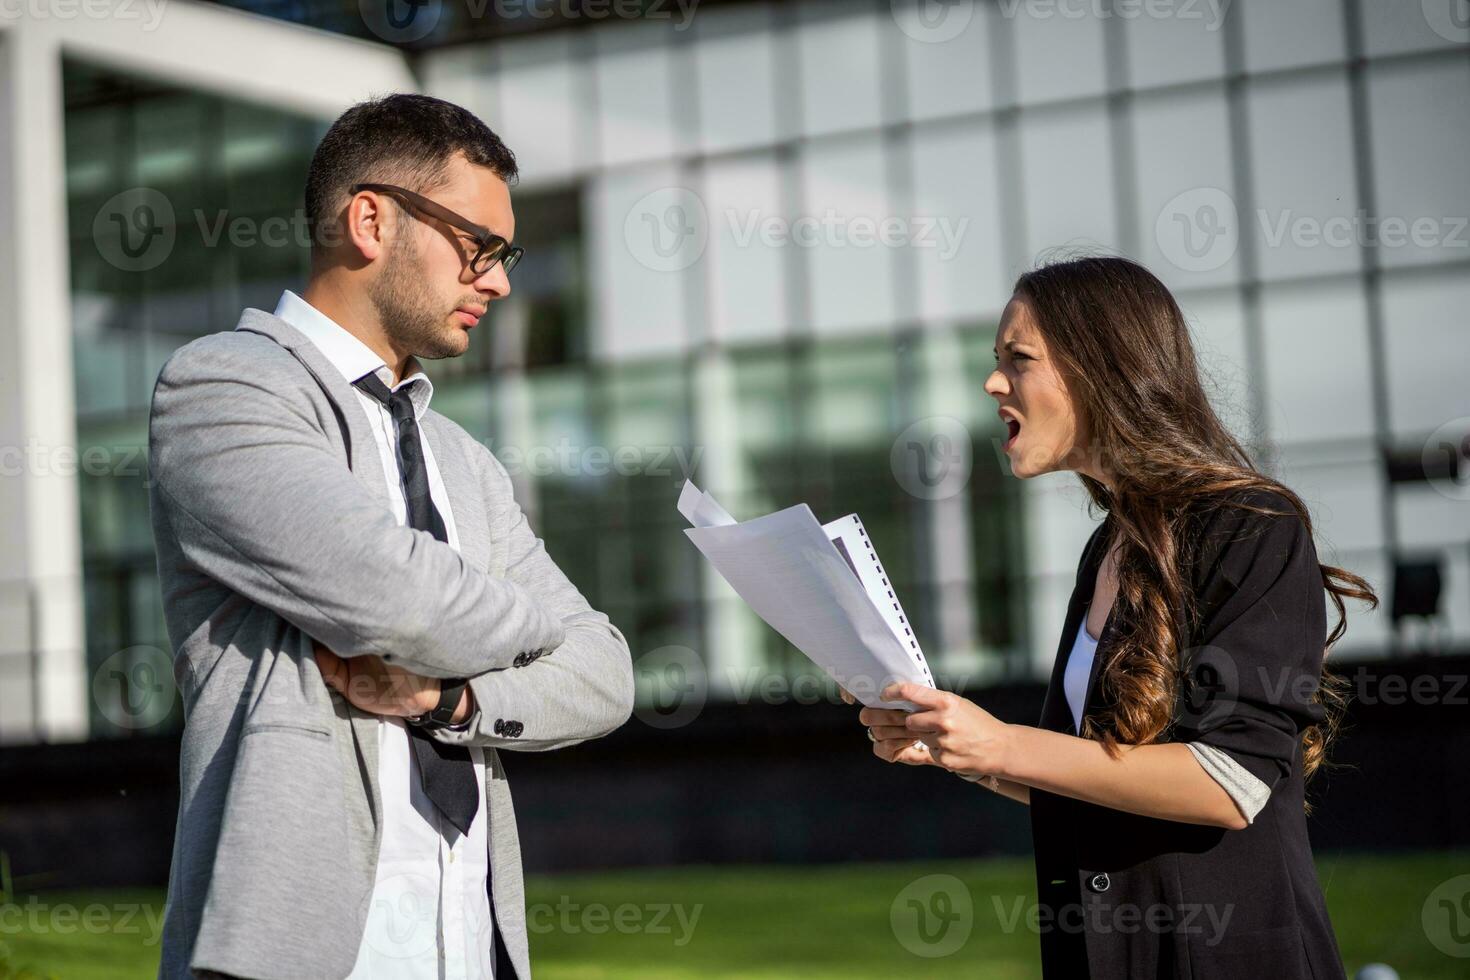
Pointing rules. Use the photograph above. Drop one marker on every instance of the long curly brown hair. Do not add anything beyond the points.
(1123, 349)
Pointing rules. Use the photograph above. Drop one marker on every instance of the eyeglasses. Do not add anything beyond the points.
(492, 248)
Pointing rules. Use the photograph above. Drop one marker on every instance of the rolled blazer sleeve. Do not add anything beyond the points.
(1255, 667)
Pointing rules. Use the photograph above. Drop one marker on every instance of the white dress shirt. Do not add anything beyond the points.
(429, 917)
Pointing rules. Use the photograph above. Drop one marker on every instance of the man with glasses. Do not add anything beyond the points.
(361, 616)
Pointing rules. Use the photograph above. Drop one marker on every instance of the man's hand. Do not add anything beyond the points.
(382, 689)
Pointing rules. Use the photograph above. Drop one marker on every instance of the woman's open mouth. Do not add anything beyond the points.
(1013, 429)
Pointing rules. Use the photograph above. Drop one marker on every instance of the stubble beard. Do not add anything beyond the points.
(406, 309)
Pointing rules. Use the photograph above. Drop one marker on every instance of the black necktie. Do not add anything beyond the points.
(446, 772)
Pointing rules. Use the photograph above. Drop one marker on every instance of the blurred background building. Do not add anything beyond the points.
(767, 246)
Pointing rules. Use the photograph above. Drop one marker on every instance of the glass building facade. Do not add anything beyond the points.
(211, 165)
(770, 250)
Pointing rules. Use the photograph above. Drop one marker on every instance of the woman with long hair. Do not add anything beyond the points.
(1188, 704)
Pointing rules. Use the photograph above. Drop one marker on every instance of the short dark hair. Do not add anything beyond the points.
(403, 139)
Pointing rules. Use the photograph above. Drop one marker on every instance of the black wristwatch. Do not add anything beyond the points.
(442, 715)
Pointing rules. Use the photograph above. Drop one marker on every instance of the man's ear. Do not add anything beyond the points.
(371, 221)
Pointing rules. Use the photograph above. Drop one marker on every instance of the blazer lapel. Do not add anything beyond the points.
(362, 454)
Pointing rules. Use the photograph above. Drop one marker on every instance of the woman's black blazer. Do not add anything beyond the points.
(1125, 896)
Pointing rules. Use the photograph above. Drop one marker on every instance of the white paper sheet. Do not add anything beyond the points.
(786, 569)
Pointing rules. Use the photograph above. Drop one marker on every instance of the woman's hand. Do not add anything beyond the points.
(893, 741)
(960, 735)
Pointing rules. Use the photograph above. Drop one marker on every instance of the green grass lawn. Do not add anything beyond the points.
(823, 922)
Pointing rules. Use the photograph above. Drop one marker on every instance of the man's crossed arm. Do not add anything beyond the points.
(259, 501)
(546, 699)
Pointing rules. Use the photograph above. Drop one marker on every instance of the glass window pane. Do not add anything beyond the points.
(1185, 189)
(947, 59)
(541, 87)
(1299, 322)
(634, 94)
(1174, 43)
(1306, 190)
(748, 256)
(1421, 142)
(1394, 28)
(1427, 350)
(964, 261)
(838, 52)
(1067, 180)
(735, 68)
(845, 197)
(648, 232)
(1058, 52)
(1284, 35)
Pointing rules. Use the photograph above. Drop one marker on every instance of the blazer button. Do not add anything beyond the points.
(1099, 882)
(499, 726)
(514, 729)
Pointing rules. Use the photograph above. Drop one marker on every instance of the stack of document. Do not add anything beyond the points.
(820, 586)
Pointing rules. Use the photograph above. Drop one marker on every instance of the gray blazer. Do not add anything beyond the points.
(272, 524)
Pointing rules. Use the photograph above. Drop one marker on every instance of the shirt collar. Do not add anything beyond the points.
(350, 356)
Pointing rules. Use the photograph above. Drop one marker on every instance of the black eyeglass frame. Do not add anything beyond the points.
(492, 247)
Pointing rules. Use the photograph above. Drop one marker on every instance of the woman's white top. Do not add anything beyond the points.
(1078, 672)
(1248, 792)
